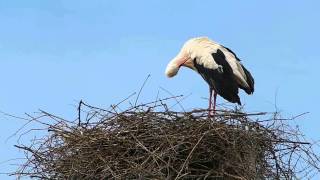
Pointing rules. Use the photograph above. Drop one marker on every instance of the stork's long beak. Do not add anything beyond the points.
(175, 64)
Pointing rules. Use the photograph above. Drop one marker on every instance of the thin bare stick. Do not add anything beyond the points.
(144, 83)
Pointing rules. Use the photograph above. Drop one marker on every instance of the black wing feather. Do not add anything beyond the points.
(224, 82)
(250, 80)
(228, 49)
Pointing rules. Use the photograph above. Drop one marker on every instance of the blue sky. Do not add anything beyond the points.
(54, 53)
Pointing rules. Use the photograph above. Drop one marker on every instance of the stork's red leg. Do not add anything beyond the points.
(214, 102)
(210, 102)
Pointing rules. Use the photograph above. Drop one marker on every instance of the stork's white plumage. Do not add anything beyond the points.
(218, 66)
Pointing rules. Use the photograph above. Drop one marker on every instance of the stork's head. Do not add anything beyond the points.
(192, 49)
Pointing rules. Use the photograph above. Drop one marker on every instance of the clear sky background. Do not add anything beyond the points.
(54, 53)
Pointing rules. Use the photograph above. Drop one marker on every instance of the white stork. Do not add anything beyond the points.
(218, 66)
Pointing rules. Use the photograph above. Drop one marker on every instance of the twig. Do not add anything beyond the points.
(144, 83)
(189, 155)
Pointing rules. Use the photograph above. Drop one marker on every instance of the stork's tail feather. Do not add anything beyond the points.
(237, 100)
(234, 98)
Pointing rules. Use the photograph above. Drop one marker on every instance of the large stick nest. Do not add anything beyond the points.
(142, 143)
